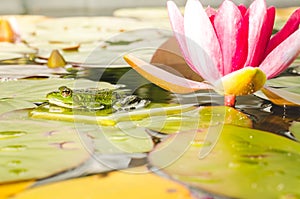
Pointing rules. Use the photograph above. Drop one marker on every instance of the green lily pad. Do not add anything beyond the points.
(245, 163)
(295, 129)
(285, 81)
(199, 118)
(119, 139)
(26, 91)
(105, 117)
(34, 150)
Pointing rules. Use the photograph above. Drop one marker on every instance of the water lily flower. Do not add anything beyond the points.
(231, 48)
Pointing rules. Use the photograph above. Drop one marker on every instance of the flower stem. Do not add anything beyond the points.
(229, 100)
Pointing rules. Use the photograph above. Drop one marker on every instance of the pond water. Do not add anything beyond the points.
(265, 115)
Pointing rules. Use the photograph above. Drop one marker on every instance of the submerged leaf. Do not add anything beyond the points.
(129, 185)
(245, 163)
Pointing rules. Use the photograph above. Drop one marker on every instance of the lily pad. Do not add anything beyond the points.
(130, 185)
(245, 163)
(16, 48)
(26, 91)
(105, 117)
(34, 150)
(199, 118)
(23, 71)
(285, 81)
(283, 96)
(119, 139)
(10, 189)
(295, 129)
(8, 56)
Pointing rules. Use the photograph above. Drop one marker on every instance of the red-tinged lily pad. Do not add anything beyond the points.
(201, 117)
(131, 184)
(34, 150)
(245, 163)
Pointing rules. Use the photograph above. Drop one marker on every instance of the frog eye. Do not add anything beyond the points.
(65, 91)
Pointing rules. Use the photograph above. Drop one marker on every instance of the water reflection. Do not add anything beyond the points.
(265, 115)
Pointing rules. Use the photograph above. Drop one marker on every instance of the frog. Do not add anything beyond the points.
(95, 99)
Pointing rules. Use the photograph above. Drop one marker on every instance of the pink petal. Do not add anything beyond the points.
(232, 38)
(176, 20)
(282, 56)
(202, 42)
(259, 33)
(163, 78)
(211, 13)
(243, 9)
(291, 26)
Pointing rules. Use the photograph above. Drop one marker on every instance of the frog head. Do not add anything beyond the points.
(62, 97)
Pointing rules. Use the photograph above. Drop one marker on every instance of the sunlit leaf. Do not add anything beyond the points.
(245, 163)
(32, 149)
(200, 118)
(130, 184)
(9, 189)
(106, 117)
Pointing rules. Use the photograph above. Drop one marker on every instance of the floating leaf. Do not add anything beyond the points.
(8, 56)
(32, 149)
(9, 189)
(285, 81)
(105, 117)
(295, 129)
(199, 118)
(119, 139)
(16, 48)
(18, 91)
(129, 185)
(245, 163)
(283, 96)
(23, 71)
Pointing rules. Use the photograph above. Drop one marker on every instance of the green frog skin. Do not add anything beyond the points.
(94, 99)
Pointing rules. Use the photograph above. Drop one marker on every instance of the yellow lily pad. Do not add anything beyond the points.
(124, 184)
(9, 189)
(242, 82)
